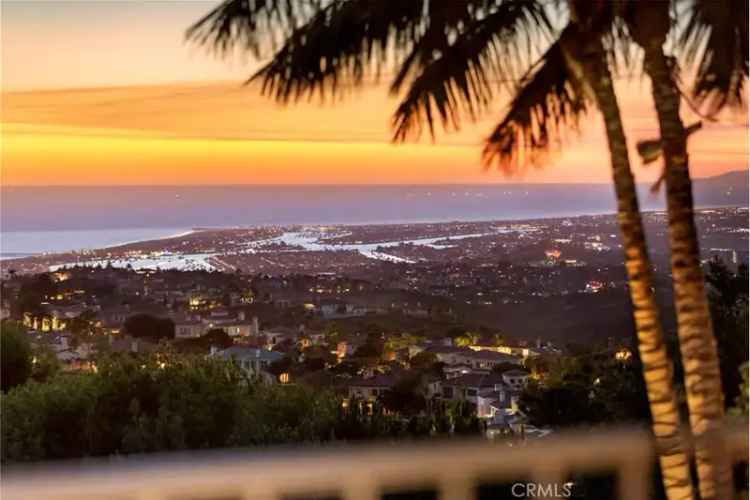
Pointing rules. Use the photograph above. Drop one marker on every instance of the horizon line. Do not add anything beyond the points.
(306, 185)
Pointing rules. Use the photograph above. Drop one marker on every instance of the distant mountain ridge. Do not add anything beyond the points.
(730, 188)
(177, 208)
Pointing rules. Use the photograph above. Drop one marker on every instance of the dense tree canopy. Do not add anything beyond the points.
(15, 356)
(34, 292)
(588, 389)
(150, 327)
(729, 310)
(165, 401)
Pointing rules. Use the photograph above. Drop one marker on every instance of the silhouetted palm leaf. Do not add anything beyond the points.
(341, 44)
(547, 101)
(251, 24)
(714, 41)
(466, 71)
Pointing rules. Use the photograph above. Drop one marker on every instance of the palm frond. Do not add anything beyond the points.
(443, 22)
(251, 25)
(713, 41)
(342, 43)
(548, 100)
(461, 75)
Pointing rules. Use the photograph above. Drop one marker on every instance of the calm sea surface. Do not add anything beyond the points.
(24, 243)
(53, 219)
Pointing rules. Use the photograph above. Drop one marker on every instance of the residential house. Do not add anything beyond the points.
(279, 336)
(512, 350)
(253, 361)
(348, 347)
(55, 320)
(189, 329)
(234, 327)
(337, 309)
(482, 391)
(477, 360)
(453, 371)
(131, 344)
(487, 360)
(369, 389)
(516, 379)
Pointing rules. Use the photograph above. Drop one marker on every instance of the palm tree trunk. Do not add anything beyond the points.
(592, 68)
(697, 343)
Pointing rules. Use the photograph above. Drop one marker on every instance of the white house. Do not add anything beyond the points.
(254, 362)
(189, 329)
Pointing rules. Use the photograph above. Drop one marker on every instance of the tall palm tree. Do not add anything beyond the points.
(450, 55)
(714, 35)
(588, 61)
(577, 68)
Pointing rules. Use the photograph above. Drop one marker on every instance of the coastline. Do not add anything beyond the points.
(179, 233)
(284, 248)
(49, 235)
(146, 240)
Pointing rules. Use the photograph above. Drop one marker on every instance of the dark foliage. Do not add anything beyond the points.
(587, 390)
(729, 311)
(546, 102)
(713, 41)
(405, 397)
(15, 356)
(34, 291)
(150, 327)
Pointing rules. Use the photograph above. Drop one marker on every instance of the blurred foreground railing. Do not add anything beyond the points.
(452, 469)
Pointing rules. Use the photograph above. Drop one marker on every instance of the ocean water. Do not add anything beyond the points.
(54, 219)
(14, 244)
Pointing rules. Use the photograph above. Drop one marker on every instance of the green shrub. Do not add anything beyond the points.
(15, 356)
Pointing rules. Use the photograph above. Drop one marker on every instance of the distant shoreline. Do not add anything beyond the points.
(25, 254)
(144, 240)
(379, 222)
(32, 243)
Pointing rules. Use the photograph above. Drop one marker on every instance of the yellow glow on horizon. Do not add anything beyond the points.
(222, 133)
(109, 114)
(31, 159)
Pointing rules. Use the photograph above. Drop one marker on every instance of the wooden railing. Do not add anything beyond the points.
(452, 470)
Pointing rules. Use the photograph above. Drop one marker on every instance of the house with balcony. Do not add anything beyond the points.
(253, 361)
(369, 389)
(482, 392)
(280, 336)
(234, 327)
(487, 360)
(189, 329)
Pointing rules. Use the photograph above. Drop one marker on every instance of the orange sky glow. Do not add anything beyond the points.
(97, 106)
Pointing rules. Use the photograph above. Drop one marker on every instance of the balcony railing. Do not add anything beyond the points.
(452, 469)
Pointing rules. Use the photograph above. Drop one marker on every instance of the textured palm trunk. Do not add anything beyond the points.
(591, 67)
(697, 343)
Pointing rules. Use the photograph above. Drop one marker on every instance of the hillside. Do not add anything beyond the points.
(726, 189)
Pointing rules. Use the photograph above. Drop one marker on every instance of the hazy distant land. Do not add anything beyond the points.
(277, 249)
(37, 220)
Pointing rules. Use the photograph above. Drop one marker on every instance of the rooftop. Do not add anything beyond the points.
(376, 381)
(242, 353)
(476, 380)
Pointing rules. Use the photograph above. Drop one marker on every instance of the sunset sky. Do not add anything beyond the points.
(109, 93)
